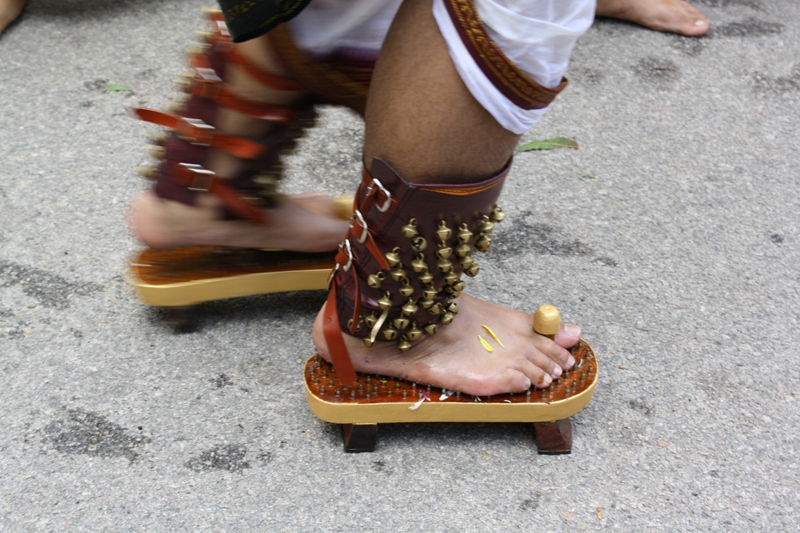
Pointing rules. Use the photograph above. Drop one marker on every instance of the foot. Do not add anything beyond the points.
(9, 11)
(302, 223)
(673, 16)
(455, 359)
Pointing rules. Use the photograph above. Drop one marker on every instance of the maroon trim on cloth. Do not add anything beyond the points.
(512, 82)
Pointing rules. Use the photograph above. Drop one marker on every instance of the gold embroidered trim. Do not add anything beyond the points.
(522, 86)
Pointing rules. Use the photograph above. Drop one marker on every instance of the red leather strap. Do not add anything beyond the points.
(360, 232)
(197, 178)
(208, 85)
(262, 76)
(198, 132)
(333, 338)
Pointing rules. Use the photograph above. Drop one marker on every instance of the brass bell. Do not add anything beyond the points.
(203, 35)
(385, 302)
(443, 233)
(426, 277)
(157, 137)
(444, 266)
(374, 280)
(426, 304)
(370, 320)
(183, 84)
(435, 309)
(403, 345)
(147, 172)
(429, 293)
(414, 333)
(483, 243)
(174, 107)
(410, 230)
(409, 308)
(400, 323)
(444, 253)
(467, 261)
(462, 250)
(195, 50)
(459, 285)
(266, 180)
(450, 278)
(497, 215)
(487, 225)
(446, 318)
(350, 324)
(398, 274)
(473, 270)
(419, 243)
(393, 257)
(158, 153)
(369, 343)
(390, 333)
(453, 293)
(464, 234)
(406, 289)
(419, 264)
(452, 307)
(431, 329)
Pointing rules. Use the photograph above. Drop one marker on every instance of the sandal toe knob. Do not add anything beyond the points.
(546, 320)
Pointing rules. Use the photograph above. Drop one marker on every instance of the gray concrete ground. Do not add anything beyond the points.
(671, 235)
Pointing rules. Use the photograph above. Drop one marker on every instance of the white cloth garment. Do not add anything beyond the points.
(537, 35)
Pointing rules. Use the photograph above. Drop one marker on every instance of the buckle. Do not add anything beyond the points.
(358, 217)
(333, 273)
(202, 178)
(195, 131)
(388, 203)
(349, 251)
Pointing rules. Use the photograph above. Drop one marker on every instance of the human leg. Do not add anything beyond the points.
(218, 185)
(9, 11)
(424, 125)
(673, 16)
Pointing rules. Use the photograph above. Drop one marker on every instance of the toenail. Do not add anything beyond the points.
(572, 330)
(556, 372)
(526, 384)
(699, 22)
(571, 362)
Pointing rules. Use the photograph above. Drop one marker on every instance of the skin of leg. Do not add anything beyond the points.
(673, 16)
(305, 223)
(9, 11)
(422, 120)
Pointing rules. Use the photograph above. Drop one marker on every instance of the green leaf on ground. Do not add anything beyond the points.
(116, 87)
(548, 144)
(589, 177)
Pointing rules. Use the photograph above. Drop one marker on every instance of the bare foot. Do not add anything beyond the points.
(674, 16)
(455, 359)
(302, 223)
(9, 11)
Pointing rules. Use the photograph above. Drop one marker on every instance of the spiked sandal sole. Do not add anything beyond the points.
(374, 400)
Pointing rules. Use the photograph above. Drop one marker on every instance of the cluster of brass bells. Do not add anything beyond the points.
(451, 246)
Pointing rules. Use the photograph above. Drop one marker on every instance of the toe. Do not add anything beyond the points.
(568, 336)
